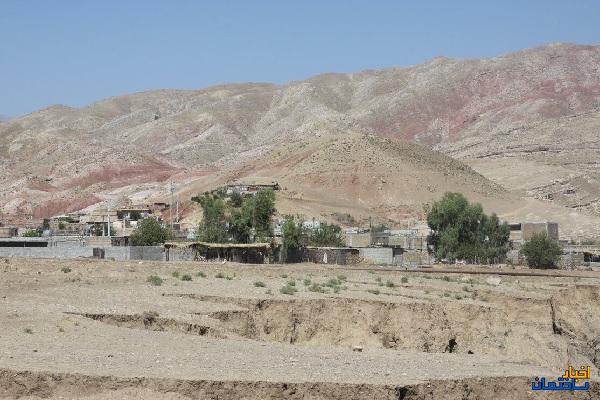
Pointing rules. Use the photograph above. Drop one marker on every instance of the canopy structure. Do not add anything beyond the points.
(239, 252)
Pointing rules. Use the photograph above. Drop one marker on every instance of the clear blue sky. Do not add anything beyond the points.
(75, 52)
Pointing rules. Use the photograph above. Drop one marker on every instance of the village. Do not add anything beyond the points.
(105, 234)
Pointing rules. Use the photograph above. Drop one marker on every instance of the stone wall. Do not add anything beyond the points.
(377, 255)
(332, 256)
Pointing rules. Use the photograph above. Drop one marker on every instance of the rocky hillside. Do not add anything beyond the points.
(486, 112)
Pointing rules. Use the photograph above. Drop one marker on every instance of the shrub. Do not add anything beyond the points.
(220, 275)
(259, 284)
(289, 290)
(186, 277)
(541, 252)
(390, 284)
(374, 291)
(28, 331)
(315, 287)
(229, 278)
(291, 283)
(175, 274)
(201, 274)
(66, 270)
(155, 280)
(332, 283)
(342, 277)
(307, 282)
(404, 279)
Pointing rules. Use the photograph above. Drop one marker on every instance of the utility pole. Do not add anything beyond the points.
(108, 227)
(172, 190)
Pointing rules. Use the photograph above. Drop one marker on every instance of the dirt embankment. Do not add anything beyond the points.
(548, 332)
(59, 386)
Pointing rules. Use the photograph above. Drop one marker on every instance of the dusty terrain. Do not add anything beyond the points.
(100, 330)
(526, 120)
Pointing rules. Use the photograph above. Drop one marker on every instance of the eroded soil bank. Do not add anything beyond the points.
(46, 385)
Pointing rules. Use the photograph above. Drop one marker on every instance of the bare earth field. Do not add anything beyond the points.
(98, 330)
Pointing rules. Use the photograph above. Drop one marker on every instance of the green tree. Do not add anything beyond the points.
(236, 199)
(461, 230)
(255, 214)
(150, 232)
(213, 227)
(541, 251)
(292, 239)
(240, 226)
(135, 216)
(32, 233)
(327, 235)
(263, 205)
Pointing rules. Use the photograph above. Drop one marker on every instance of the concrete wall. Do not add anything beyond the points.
(119, 253)
(377, 255)
(153, 253)
(47, 252)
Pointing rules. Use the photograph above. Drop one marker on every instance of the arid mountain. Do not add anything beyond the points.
(490, 113)
(359, 174)
(556, 160)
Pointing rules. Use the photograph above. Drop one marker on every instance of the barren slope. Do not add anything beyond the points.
(556, 160)
(364, 175)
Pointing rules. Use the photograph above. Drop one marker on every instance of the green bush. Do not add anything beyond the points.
(289, 290)
(374, 291)
(175, 274)
(220, 275)
(201, 274)
(390, 284)
(186, 277)
(332, 283)
(155, 280)
(259, 284)
(66, 270)
(541, 252)
(404, 279)
(315, 287)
